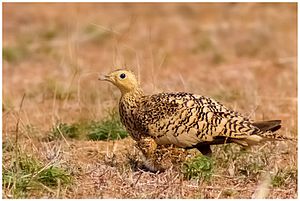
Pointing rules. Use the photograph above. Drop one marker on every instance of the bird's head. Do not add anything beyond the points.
(125, 80)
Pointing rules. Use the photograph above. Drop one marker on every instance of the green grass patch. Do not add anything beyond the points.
(67, 130)
(110, 128)
(26, 174)
(283, 177)
(198, 167)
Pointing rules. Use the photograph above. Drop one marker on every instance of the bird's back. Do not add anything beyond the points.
(185, 119)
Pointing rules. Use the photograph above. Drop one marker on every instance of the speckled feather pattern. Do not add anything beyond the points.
(178, 114)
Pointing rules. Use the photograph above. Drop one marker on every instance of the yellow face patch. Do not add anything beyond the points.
(123, 79)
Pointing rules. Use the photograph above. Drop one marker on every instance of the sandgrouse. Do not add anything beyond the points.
(183, 120)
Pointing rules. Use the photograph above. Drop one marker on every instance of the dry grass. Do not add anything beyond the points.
(243, 54)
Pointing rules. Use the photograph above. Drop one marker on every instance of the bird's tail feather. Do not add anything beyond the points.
(267, 133)
(268, 129)
(271, 125)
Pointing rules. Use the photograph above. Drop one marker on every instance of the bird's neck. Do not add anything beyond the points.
(131, 98)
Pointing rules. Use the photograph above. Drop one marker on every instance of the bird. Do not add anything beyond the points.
(184, 120)
(165, 157)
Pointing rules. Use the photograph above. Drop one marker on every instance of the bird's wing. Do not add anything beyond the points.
(186, 119)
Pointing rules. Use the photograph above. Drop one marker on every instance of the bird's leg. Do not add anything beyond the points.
(204, 149)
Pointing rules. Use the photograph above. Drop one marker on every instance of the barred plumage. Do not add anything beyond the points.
(183, 119)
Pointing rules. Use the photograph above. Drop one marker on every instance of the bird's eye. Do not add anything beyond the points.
(122, 76)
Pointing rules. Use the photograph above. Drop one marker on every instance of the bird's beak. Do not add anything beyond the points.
(104, 78)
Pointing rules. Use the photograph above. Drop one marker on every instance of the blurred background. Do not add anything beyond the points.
(241, 54)
(230, 51)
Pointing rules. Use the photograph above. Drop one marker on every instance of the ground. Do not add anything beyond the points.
(241, 54)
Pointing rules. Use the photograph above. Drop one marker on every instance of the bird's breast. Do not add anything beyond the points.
(128, 119)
